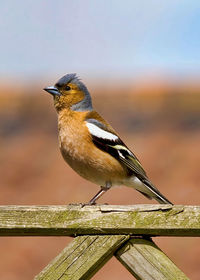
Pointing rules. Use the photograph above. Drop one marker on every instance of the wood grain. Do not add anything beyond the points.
(147, 262)
(82, 258)
(73, 220)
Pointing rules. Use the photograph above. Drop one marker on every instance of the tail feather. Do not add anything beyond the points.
(155, 193)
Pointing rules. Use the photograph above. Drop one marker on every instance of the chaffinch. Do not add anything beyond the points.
(91, 146)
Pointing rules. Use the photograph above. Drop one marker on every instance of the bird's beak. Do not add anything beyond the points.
(52, 90)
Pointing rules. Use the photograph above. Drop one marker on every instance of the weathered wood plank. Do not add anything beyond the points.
(147, 262)
(82, 258)
(75, 220)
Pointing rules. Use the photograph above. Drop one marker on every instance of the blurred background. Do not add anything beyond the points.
(141, 62)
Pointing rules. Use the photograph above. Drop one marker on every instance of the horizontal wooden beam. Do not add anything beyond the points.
(73, 220)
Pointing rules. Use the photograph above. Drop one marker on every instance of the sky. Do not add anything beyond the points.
(99, 38)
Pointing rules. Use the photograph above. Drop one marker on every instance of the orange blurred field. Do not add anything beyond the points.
(159, 122)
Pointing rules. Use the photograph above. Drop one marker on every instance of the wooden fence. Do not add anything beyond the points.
(102, 231)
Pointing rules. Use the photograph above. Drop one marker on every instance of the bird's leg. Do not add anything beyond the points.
(97, 196)
(100, 193)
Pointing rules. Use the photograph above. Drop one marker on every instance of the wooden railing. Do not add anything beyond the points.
(103, 231)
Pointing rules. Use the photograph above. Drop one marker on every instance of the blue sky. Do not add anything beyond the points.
(99, 38)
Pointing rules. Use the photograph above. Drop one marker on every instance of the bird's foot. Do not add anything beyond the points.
(88, 204)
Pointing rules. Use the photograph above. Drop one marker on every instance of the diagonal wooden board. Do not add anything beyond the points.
(147, 262)
(82, 258)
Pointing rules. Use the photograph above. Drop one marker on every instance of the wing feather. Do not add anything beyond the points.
(108, 141)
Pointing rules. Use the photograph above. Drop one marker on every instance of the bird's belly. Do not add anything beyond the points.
(93, 164)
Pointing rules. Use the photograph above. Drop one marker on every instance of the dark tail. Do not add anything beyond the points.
(155, 194)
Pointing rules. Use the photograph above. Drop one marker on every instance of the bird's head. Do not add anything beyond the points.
(69, 92)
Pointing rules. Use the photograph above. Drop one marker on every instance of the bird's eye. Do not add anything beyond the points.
(67, 88)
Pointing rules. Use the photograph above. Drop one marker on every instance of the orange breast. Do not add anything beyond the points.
(82, 155)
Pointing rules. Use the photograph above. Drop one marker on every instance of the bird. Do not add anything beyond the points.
(90, 145)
